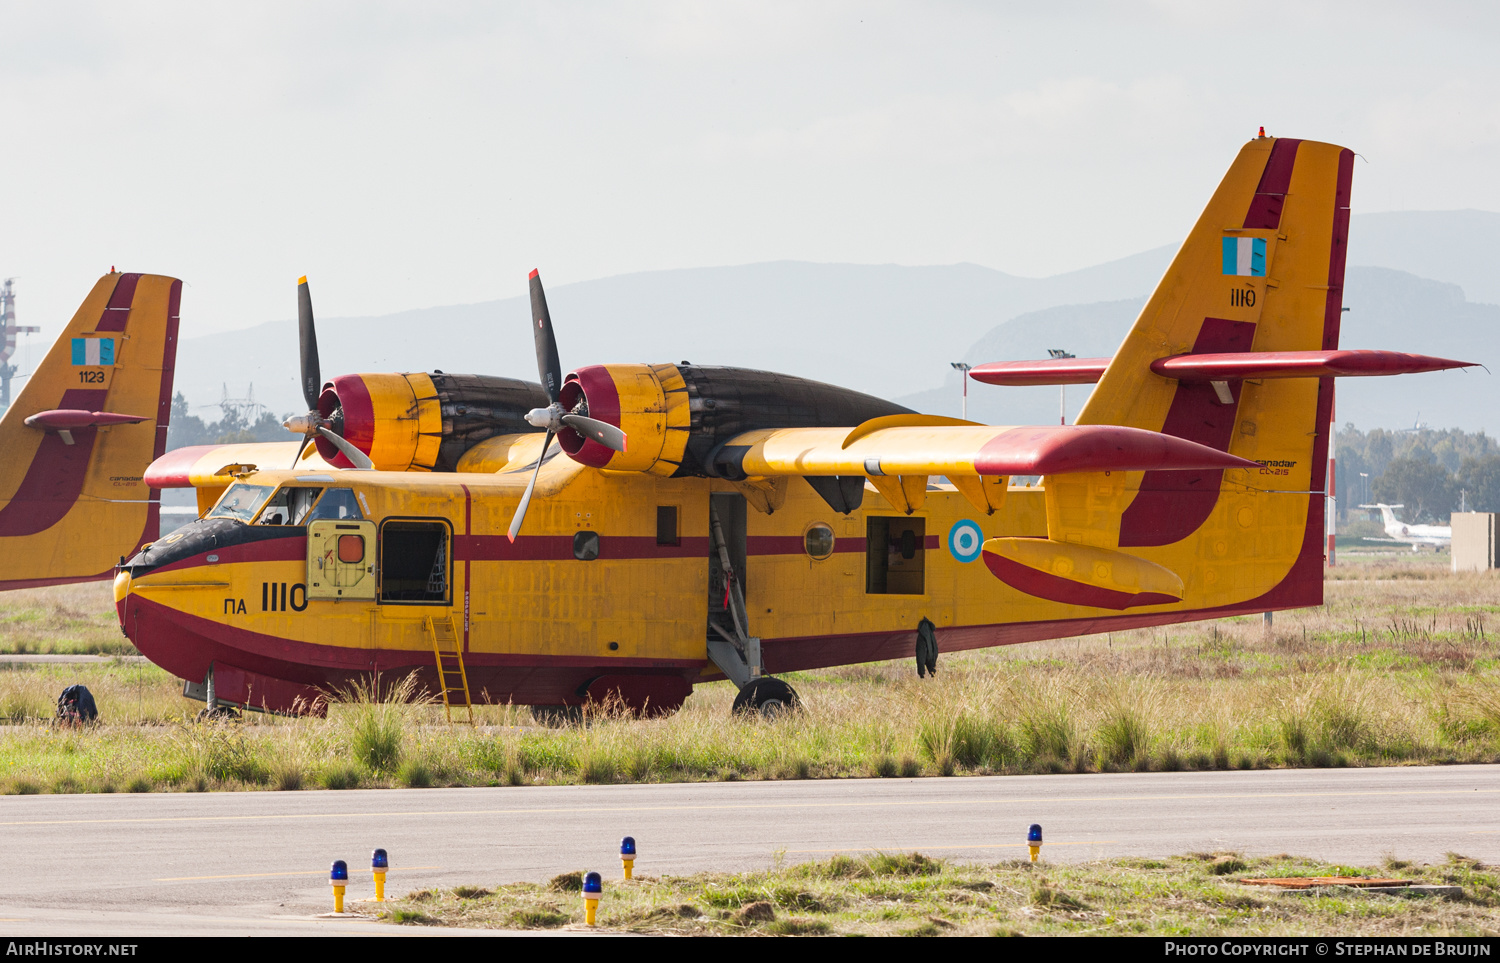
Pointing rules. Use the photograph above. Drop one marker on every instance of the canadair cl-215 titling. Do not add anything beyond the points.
(631, 530)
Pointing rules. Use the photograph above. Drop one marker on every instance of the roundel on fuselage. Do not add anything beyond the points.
(965, 540)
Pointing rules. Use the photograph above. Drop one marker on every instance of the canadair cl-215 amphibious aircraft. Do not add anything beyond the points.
(631, 530)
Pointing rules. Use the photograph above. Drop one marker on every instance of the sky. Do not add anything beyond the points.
(406, 155)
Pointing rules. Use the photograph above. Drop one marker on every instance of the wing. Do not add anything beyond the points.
(1078, 562)
(204, 466)
(898, 458)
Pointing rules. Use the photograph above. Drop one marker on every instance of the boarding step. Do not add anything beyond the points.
(453, 679)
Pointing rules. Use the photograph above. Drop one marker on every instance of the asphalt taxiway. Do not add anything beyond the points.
(257, 863)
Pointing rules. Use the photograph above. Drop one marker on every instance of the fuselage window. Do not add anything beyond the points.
(818, 541)
(666, 525)
(336, 503)
(414, 561)
(241, 501)
(289, 506)
(585, 546)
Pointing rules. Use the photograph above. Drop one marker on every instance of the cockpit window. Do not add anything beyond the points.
(289, 506)
(337, 503)
(240, 502)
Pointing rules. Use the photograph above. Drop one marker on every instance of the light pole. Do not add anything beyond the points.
(1365, 484)
(1059, 354)
(963, 375)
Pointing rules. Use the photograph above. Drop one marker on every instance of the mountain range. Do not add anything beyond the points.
(1418, 281)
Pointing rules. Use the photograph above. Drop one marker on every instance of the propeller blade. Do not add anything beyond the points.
(547, 363)
(358, 458)
(300, 449)
(601, 431)
(312, 381)
(520, 516)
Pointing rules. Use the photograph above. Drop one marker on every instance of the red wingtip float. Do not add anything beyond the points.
(761, 523)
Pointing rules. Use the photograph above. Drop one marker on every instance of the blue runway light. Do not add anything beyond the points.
(340, 871)
(593, 884)
(1034, 840)
(627, 846)
(379, 860)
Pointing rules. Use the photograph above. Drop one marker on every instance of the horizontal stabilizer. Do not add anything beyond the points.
(1053, 371)
(72, 419)
(1299, 364)
(1080, 574)
(1349, 363)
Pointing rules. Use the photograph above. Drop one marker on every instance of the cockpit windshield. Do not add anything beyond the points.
(241, 502)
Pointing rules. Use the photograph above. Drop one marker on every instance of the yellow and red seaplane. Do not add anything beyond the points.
(632, 530)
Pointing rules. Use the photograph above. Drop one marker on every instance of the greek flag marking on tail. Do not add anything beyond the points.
(94, 351)
(1245, 256)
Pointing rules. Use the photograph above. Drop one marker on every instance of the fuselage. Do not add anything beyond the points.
(614, 573)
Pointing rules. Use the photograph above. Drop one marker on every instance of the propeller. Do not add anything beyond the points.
(555, 416)
(313, 423)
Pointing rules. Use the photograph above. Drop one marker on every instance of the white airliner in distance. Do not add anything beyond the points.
(1438, 536)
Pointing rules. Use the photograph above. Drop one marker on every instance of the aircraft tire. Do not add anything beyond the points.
(766, 696)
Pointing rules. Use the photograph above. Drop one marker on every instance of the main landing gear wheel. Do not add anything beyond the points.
(767, 696)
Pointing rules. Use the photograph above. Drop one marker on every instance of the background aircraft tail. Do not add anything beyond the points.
(1387, 512)
(75, 444)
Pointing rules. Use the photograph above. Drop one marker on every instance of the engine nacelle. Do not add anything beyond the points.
(674, 416)
(422, 422)
(649, 403)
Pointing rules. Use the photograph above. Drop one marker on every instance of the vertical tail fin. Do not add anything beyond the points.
(75, 444)
(1262, 270)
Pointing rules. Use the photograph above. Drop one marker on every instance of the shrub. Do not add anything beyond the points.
(414, 773)
(1124, 736)
(341, 776)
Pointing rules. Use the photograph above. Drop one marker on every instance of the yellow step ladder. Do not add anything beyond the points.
(453, 680)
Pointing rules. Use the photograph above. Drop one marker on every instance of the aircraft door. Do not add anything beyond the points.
(341, 559)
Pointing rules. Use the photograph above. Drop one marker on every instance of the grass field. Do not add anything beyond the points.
(61, 620)
(913, 895)
(1401, 665)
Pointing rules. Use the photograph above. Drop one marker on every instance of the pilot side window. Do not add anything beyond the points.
(289, 506)
(415, 563)
(336, 503)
